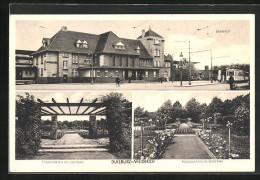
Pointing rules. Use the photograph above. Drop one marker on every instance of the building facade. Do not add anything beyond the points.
(24, 65)
(81, 57)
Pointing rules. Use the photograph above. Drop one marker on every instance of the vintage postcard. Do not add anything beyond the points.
(132, 93)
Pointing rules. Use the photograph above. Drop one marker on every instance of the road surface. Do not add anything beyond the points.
(195, 85)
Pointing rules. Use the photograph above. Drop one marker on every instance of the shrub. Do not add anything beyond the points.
(27, 135)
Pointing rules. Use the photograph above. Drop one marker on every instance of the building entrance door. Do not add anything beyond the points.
(65, 78)
(126, 74)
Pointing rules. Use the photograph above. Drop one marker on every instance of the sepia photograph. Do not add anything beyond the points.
(59, 125)
(132, 93)
(192, 125)
(135, 54)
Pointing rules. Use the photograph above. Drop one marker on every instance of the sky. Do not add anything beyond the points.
(232, 46)
(151, 101)
(74, 97)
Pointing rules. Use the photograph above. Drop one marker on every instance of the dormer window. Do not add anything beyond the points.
(138, 49)
(119, 46)
(78, 43)
(85, 44)
(44, 44)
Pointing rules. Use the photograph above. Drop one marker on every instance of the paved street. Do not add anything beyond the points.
(196, 85)
(186, 147)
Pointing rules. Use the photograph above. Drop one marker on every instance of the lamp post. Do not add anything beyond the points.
(181, 56)
(229, 126)
(189, 61)
(141, 138)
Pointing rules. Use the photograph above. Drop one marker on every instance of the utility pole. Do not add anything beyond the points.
(211, 66)
(189, 66)
(92, 71)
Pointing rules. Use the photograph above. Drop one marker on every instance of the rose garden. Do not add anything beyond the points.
(219, 130)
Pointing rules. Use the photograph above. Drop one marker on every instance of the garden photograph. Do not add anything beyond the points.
(80, 125)
(192, 125)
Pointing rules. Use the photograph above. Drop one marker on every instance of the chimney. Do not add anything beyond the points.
(143, 33)
(63, 28)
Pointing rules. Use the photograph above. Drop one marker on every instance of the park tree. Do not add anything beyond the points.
(242, 124)
(216, 106)
(177, 111)
(27, 132)
(118, 124)
(164, 113)
(193, 109)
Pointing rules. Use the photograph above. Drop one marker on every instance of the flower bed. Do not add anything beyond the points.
(217, 143)
(184, 131)
(153, 145)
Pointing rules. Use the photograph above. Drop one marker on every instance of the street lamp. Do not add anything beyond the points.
(189, 62)
(181, 56)
(229, 126)
(141, 138)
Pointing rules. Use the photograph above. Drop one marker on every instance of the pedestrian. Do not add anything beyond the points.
(231, 82)
(117, 82)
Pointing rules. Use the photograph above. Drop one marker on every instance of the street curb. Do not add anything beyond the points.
(207, 150)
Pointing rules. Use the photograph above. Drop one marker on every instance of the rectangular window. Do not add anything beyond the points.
(116, 73)
(65, 64)
(106, 72)
(45, 65)
(98, 73)
(156, 41)
(74, 58)
(41, 72)
(26, 72)
(146, 73)
(154, 63)
(75, 72)
(154, 74)
(37, 59)
(65, 55)
(87, 60)
(41, 59)
(158, 63)
(141, 63)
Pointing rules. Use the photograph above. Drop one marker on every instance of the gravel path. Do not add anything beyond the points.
(186, 147)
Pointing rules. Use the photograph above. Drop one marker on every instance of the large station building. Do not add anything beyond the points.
(81, 57)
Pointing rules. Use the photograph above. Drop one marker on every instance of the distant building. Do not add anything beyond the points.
(24, 65)
(71, 56)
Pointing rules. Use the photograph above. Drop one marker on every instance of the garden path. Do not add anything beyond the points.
(186, 147)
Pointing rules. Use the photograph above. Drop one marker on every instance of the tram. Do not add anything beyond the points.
(238, 75)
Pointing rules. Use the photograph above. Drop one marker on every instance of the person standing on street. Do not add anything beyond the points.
(117, 82)
(231, 82)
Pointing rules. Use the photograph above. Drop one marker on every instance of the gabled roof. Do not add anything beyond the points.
(150, 33)
(107, 41)
(137, 43)
(64, 41)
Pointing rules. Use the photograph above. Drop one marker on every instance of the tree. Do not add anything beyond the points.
(27, 134)
(177, 111)
(165, 112)
(242, 115)
(118, 124)
(216, 106)
(193, 109)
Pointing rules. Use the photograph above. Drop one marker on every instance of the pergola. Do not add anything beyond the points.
(90, 108)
